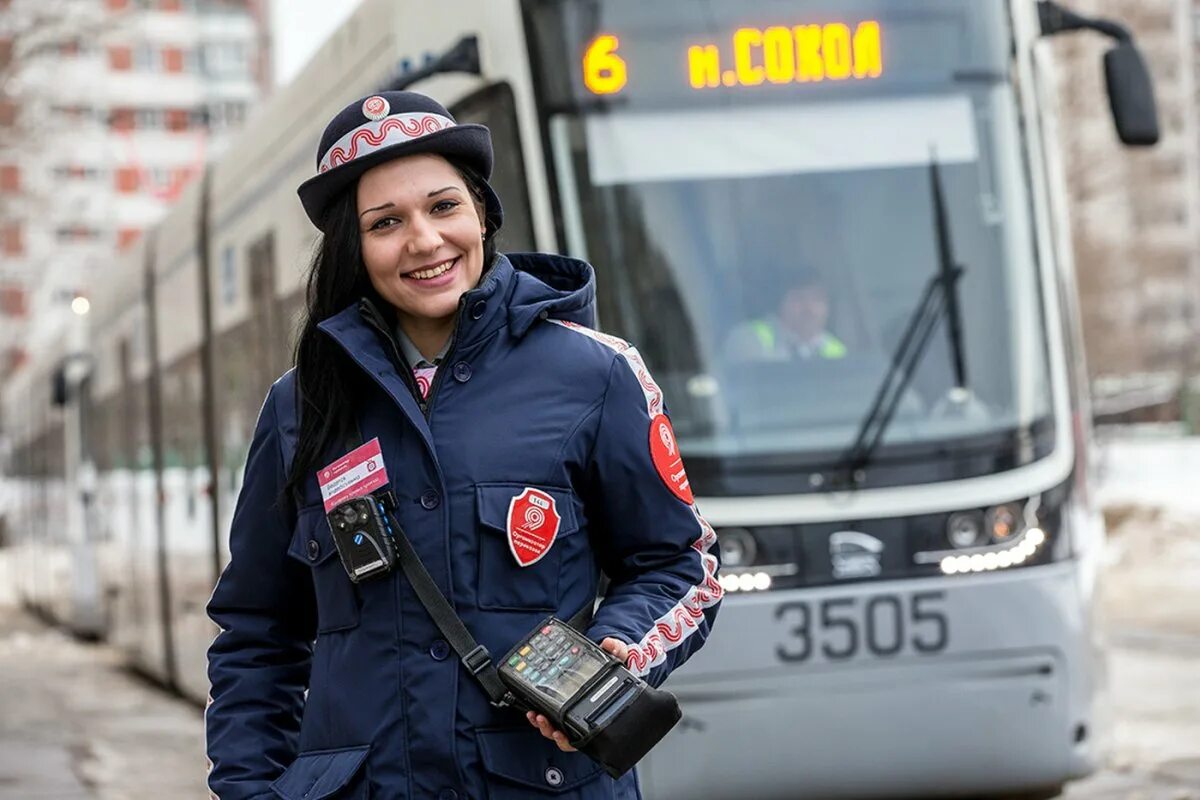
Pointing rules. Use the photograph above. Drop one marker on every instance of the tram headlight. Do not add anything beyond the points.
(965, 529)
(1003, 523)
(733, 582)
(738, 547)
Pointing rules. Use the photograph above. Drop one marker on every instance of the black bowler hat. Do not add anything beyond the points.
(388, 125)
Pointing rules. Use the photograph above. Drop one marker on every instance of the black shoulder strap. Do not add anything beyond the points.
(475, 657)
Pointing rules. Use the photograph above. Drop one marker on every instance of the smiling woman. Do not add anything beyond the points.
(519, 451)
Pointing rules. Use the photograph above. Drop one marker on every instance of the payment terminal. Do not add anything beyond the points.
(606, 711)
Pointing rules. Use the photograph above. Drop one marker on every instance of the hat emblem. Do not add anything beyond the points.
(375, 135)
(376, 107)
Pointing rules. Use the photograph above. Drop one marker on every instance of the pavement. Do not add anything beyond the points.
(75, 725)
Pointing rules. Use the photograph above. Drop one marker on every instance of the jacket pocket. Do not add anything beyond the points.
(518, 760)
(503, 584)
(325, 775)
(337, 601)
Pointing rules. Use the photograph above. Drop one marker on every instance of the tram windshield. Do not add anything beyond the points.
(754, 183)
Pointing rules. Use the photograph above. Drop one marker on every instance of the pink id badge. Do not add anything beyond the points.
(356, 474)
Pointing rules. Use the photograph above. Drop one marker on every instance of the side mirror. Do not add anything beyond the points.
(1131, 95)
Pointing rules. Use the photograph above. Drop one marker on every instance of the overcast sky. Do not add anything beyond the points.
(299, 28)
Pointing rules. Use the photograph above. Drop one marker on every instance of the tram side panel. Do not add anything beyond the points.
(147, 646)
(186, 497)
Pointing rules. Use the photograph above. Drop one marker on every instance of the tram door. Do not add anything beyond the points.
(266, 319)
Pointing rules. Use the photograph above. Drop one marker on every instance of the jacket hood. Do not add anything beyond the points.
(550, 286)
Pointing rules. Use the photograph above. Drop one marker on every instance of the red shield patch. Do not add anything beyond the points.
(532, 526)
(667, 460)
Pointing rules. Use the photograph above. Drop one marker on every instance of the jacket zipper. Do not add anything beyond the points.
(373, 320)
(427, 408)
(425, 404)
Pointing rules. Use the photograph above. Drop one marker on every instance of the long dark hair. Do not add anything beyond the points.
(328, 385)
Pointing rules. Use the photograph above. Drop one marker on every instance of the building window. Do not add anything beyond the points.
(145, 58)
(150, 119)
(12, 239)
(13, 301)
(178, 119)
(172, 59)
(69, 172)
(223, 59)
(77, 233)
(126, 237)
(122, 119)
(229, 285)
(10, 178)
(120, 57)
(74, 113)
(226, 114)
(126, 179)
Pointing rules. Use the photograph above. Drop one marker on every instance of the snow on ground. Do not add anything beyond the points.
(1150, 490)
(1149, 466)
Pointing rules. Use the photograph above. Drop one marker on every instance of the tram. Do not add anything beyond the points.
(909, 543)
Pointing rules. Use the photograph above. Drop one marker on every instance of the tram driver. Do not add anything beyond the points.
(796, 331)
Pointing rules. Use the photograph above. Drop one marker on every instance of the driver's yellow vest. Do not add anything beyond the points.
(830, 348)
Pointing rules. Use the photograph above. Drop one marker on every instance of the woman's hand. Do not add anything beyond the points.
(620, 651)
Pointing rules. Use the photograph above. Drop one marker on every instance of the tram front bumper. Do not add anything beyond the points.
(1004, 704)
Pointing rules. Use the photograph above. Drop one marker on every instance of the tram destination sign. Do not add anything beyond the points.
(749, 57)
(631, 54)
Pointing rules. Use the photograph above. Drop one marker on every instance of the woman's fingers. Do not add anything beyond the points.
(619, 649)
(547, 729)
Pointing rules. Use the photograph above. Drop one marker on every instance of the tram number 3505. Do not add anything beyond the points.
(884, 625)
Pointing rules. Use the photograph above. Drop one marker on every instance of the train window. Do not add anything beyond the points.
(228, 277)
(494, 107)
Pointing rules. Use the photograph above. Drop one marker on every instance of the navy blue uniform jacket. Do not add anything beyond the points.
(527, 398)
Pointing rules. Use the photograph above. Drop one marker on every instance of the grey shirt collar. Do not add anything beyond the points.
(413, 356)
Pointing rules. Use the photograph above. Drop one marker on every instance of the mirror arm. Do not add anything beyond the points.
(462, 57)
(1055, 19)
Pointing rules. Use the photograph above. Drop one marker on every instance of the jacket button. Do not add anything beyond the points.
(462, 372)
(447, 794)
(314, 549)
(439, 650)
(478, 309)
(430, 499)
(554, 776)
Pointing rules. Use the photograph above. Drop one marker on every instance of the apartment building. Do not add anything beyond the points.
(108, 108)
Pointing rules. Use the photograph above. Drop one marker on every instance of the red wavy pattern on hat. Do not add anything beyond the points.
(411, 128)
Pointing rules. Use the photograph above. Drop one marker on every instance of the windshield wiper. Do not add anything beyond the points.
(940, 297)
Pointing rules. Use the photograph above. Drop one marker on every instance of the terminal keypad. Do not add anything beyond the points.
(545, 656)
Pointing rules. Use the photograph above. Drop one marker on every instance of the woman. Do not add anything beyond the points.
(476, 375)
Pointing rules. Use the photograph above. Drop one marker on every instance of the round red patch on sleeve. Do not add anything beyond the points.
(664, 450)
